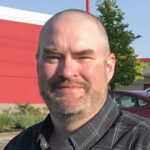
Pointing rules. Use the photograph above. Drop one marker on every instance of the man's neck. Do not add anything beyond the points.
(65, 127)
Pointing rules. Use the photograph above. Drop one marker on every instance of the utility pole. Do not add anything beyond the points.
(88, 6)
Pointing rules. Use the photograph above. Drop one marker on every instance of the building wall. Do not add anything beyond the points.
(19, 33)
(147, 70)
(18, 75)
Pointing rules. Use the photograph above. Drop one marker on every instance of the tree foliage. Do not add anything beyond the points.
(128, 67)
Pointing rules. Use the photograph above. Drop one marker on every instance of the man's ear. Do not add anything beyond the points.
(110, 66)
(37, 56)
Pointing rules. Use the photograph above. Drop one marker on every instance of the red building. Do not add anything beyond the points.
(19, 33)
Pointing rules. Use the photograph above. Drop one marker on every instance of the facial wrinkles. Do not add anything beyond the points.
(67, 41)
(65, 34)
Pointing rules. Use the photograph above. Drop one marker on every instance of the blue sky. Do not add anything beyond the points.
(137, 15)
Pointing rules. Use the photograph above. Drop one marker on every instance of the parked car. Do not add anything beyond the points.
(147, 90)
(137, 102)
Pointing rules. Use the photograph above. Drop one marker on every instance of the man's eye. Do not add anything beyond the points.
(52, 57)
(84, 57)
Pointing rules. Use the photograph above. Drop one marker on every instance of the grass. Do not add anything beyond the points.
(7, 121)
(25, 116)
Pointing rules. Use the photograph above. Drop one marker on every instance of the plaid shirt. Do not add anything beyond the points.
(110, 129)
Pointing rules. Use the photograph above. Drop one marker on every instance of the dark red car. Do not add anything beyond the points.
(137, 102)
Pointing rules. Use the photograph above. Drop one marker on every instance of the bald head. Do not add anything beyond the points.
(77, 17)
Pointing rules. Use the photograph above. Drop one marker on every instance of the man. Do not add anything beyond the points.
(75, 66)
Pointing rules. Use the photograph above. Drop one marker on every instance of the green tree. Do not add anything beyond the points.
(128, 67)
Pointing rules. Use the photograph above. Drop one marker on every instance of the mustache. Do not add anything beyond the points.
(68, 82)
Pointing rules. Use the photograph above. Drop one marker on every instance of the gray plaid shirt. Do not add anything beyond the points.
(110, 129)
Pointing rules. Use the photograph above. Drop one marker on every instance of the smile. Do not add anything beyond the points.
(69, 88)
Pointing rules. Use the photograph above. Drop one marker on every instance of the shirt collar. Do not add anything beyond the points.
(87, 135)
(90, 133)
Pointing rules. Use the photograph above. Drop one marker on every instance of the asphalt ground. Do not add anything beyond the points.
(3, 144)
(6, 137)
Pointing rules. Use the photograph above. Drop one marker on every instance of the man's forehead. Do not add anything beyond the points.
(72, 27)
(76, 20)
(62, 26)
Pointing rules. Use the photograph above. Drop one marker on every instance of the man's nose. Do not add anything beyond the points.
(68, 68)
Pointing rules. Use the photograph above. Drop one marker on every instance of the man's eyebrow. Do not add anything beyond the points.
(84, 52)
(51, 50)
(81, 52)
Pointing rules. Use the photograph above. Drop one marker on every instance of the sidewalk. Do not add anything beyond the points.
(7, 136)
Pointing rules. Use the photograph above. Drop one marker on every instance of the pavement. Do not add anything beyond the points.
(13, 107)
(6, 137)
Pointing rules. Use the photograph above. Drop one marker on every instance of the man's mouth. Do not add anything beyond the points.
(69, 88)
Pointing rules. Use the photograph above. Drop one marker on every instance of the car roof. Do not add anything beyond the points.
(138, 93)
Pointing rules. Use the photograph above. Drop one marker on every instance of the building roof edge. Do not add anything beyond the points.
(24, 16)
(146, 60)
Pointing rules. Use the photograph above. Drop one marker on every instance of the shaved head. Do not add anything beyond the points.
(74, 16)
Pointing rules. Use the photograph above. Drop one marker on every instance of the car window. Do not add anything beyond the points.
(125, 101)
(128, 101)
(142, 102)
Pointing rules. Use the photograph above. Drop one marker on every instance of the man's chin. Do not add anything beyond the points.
(67, 110)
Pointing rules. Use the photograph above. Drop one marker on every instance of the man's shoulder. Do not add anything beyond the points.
(131, 120)
(130, 131)
(25, 139)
